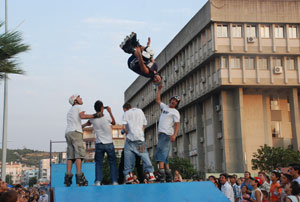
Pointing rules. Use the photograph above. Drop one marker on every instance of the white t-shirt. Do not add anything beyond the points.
(297, 180)
(102, 129)
(168, 117)
(74, 120)
(228, 191)
(135, 120)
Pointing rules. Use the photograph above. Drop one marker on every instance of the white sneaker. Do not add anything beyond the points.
(97, 183)
(115, 183)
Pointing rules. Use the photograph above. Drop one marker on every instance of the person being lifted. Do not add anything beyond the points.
(141, 61)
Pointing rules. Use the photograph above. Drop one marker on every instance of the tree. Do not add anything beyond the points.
(269, 158)
(183, 165)
(32, 181)
(8, 179)
(10, 46)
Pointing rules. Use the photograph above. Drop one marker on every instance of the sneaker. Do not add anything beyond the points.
(115, 183)
(129, 178)
(150, 177)
(97, 183)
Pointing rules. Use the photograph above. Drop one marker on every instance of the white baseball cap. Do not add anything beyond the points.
(73, 98)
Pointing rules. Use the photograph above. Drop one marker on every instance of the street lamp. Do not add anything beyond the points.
(4, 131)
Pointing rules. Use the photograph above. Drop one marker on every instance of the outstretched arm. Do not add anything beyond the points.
(88, 123)
(158, 100)
(113, 122)
(138, 54)
(89, 116)
(149, 41)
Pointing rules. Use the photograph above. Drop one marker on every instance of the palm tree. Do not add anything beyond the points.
(10, 46)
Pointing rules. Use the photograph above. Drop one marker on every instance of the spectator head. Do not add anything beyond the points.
(3, 186)
(244, 188)
(75, 99)
(275, 176)
(262, 175)
(212, 179)
(9, 196)
(247, 175)
(295, 188)
(255, 181)
(265, 194)
(285, 178)
(126, 106)
(294, 170)
(98, 106)
(232, 178)
(223, 178)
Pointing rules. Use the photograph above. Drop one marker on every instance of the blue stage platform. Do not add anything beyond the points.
(58, 173)
(173, 192)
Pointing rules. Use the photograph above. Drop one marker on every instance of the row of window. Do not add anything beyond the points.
(263, 62)
(252, 31)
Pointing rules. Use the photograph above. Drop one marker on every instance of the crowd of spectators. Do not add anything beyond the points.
(276, 187)
(20, 194)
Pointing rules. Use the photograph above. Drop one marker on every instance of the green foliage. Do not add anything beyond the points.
(32, 181)
(106, 171)
(10, 46)
(183, 165)
(268, 158)
(8, 179)
(25, 156)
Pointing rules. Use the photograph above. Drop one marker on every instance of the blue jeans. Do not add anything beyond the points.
(111, 155)
(163, 148)
(133, 148)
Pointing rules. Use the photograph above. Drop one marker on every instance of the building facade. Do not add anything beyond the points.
(89, 138)
(236, 66)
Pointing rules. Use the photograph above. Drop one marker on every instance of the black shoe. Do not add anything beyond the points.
(169, 176)
(68, 179)
(161, 177)
(129, 43)
(81, 180)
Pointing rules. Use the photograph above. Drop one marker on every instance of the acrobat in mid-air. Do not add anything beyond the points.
(141, 61)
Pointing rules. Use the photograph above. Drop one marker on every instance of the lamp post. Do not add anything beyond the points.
(4, 130)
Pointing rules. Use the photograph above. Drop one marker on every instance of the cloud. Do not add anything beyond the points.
(183, 11)
(113, 21)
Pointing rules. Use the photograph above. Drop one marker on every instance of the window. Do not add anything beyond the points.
(222, 30)
(277, 61)
(265, 31)
(251, 31)
(208, 34)
(203, 38)
(236, 30)
(224, 62)
(290, 63)
(263, 63)
(115, 133)
(249, 62)
(279, 31)
(236, 62)
(292, 32)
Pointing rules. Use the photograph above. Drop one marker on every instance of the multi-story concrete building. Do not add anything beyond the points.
(236, 66)
(14, 170)
(44, 174)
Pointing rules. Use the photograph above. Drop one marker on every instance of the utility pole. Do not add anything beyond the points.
(4, 131)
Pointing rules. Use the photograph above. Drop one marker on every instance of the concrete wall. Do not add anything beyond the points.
(277, 11)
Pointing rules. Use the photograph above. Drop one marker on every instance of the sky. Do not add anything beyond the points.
(74, 49)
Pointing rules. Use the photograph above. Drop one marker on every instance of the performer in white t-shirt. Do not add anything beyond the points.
(168, 127)
(104, 143)
(73, 135)
(133, 122)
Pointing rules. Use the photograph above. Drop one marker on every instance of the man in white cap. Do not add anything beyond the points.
(74, 132)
